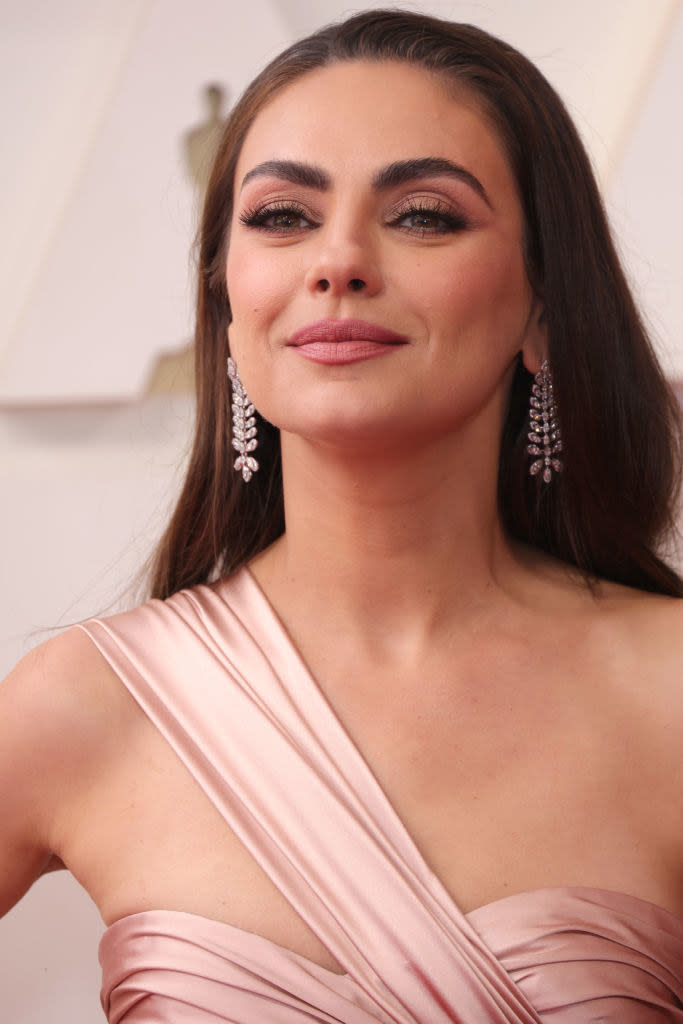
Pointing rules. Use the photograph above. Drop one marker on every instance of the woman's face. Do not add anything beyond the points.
(375, 267)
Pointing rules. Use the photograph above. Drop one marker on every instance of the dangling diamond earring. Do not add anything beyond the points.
(544, 429)
(244, 439)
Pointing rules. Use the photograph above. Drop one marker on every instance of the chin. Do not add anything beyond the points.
(369, 431)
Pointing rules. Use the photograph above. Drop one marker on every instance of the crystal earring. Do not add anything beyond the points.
(544, 429)
(244, 439)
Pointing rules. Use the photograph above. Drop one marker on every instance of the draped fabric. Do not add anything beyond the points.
(215, 671)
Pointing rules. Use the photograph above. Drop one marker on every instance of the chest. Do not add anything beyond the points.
(499, 795)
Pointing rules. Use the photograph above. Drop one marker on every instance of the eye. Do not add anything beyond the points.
(278, 218)
(429, 218)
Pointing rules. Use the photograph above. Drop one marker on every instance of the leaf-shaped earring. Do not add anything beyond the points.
(544, 430)
(244, 433)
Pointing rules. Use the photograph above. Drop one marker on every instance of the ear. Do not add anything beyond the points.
(535, 347)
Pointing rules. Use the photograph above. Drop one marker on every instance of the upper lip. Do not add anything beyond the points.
(344, 330)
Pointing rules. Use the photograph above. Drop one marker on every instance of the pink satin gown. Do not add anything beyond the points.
(217, 674)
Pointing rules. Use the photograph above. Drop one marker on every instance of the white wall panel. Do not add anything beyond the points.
(646, 202)
(59, 67)
(113, 289)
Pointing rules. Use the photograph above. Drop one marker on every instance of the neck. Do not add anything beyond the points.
(389, 542)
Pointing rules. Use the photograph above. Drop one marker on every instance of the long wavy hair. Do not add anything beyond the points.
(613, 506)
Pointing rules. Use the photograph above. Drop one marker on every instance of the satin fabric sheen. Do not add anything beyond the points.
(216, 672)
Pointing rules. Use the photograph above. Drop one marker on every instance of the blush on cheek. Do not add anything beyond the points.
(502, 284)
(258, 287)
(243, 288)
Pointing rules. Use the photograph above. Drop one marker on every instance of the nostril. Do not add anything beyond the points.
(355, 284)
(323, 284)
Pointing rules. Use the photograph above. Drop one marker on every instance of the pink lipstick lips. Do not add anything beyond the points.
(343, 341)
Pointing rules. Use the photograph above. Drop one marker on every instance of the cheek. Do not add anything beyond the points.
(485, 288)
(243, 283)
(259, 284)
(259, 287)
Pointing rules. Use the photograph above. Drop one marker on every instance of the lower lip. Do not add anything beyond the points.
(335, 353)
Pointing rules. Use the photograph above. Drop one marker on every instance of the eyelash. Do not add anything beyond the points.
(259, 215)
(450, 221)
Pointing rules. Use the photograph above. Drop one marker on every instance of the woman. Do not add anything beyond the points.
(415, 757)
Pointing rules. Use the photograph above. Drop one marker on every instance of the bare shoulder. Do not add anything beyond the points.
(634, 639)
(622, 648)
(643, 635)
(648, 629)
(63, 695)
(63, 716)
(615, 654)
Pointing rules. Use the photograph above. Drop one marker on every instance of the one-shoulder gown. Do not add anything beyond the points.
(217, 674)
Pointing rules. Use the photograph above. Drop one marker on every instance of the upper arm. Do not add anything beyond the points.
(53, 736)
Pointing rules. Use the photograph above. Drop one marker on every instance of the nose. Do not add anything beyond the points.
(343, 264)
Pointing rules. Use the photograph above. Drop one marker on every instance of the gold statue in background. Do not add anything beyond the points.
(201, 142)
(173, 372)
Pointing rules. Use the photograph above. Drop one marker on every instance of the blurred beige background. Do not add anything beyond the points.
(98, 212)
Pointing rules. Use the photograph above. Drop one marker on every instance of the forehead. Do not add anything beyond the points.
(355, 113)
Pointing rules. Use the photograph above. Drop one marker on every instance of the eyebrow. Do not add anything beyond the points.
(292, 171)
(401, 172)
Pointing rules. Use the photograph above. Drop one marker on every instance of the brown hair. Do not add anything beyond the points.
(614, 502)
